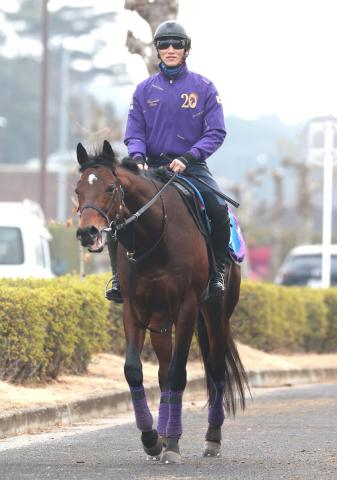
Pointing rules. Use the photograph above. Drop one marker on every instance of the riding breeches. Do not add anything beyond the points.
(216, 207)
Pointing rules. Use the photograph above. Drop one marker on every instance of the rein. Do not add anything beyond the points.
(142, 210)
(118, 229)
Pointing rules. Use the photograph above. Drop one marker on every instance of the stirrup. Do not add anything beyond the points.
(113, 294)
(216, 285)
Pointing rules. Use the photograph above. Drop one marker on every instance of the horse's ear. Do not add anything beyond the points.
(107, 149)
(82, 155)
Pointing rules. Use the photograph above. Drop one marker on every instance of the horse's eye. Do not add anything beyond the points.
(110, 188)
(76, 191)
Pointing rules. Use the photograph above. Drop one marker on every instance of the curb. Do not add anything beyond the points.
(37, 419)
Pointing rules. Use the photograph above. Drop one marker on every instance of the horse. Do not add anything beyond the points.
(163, 267)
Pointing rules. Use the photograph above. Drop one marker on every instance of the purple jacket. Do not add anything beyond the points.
(175, 116)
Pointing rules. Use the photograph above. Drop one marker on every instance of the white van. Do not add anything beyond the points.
(303, 266)
(24, 241)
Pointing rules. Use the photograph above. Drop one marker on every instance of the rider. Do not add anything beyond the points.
(176, 119)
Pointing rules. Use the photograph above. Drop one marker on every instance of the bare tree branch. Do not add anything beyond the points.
(153, 13)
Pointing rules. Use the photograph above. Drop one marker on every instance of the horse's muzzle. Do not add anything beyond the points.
(90, 237)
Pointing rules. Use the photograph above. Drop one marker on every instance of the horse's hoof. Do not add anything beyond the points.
(154, 450)
(170, 457)
(157, 458)
(212, 449)
(164, 440)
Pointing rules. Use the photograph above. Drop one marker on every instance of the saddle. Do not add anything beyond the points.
(195, 203)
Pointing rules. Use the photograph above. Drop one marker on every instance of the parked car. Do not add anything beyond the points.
(303, 266)
(24, 241)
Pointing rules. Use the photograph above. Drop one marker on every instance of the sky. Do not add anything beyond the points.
(266, 57)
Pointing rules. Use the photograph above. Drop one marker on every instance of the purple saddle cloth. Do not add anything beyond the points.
(237, 249)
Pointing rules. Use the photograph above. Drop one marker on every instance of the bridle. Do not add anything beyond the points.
(117, 188)
(116, 226)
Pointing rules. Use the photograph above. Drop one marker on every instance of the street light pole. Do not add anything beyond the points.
(44, 105)
(63, 135)
(327, 203)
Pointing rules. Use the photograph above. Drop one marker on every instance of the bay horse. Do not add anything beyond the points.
(163, 270)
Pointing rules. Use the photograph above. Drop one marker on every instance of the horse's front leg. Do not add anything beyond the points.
(177, 378)
(133, 371)
(162, 345)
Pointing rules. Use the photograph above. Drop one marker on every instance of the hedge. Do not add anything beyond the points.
(48, 326)
(293, 319)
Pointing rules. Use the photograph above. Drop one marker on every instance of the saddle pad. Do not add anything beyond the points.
(237, 248)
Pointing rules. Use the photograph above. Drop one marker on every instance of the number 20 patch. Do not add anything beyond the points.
(190, 100)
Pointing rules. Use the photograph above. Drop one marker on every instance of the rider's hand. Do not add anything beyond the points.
(177, 166)
(142, 166)
(140, 160)
(181, 163)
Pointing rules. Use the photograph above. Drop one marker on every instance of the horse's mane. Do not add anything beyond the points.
(99, 159)
(111, 160)
(130, 165)
(151, 173)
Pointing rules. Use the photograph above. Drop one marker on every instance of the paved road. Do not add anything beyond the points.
(288, 433)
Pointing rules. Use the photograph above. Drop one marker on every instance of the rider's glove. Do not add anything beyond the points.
(186, 159)
(139, 159)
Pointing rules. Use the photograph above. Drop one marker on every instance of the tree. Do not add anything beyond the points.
(154, 13)
(20, 77)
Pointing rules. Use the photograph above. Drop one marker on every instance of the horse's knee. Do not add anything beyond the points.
(164, 382)
(133, 374)
(133, 368)
(177, 376)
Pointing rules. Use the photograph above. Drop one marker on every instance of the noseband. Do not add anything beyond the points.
(117, 188)
(115, 228)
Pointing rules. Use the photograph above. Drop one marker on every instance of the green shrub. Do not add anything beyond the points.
(330, 340)
(316, 327)
(47, 326)
(272, 317)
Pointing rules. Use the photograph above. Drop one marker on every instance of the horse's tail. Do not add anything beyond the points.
(234, 375)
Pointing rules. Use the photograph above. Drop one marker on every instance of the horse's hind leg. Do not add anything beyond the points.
(151, 441)
(225, 373)
(210, 335)
(177, 378)
(162, 345)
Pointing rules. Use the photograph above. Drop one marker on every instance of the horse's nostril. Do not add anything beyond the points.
(87, 235)
(92, 231)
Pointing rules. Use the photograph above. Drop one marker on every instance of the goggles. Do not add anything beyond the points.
(177, 43)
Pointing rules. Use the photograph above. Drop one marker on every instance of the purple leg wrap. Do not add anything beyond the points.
(216, 414)
(174, 427)
(163, 414)
(143, 415)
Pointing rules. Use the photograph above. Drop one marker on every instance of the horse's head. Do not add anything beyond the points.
(100, 196)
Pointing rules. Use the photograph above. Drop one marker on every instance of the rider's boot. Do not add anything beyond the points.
(220, 240)
(114, 293)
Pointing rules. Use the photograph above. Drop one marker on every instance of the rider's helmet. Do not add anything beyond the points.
(169, 30)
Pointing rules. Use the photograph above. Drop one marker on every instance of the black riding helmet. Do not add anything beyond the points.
(171, 29)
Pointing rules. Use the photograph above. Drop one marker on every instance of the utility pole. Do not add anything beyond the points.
(323, 155)
(44, 105)
(327, 203)
(63, 136)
